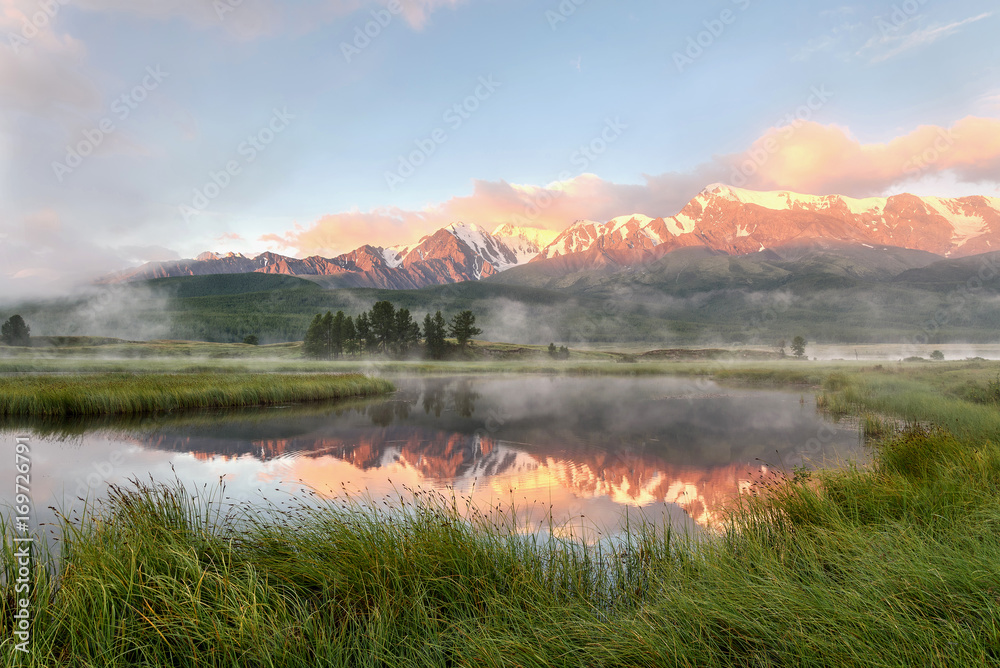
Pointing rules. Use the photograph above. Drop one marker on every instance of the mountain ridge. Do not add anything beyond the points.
(733, 221)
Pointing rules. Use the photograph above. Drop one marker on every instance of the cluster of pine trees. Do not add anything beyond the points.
(386, 330)
(560, 353)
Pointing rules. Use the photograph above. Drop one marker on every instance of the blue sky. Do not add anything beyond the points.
(684, 115)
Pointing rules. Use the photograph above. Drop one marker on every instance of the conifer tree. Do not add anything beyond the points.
(364, 327)
(15, 332)
(313, 344)
(463, 327)
(337, 334)
(327, 325)
(350, 336)
(434, 333)
(383, 324)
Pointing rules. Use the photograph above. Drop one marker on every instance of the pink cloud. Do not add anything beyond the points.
(805, 157)
(824, 159)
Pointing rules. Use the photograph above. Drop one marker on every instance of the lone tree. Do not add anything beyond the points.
(251, 340)
(463, 327)
(799, 347)
(15, 332)
(937, 355)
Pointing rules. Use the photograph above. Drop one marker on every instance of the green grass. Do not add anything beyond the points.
(894, 564)
(134, 394)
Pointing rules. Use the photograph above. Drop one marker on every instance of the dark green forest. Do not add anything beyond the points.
(678, 300)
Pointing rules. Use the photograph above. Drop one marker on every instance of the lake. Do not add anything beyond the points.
(580, 449)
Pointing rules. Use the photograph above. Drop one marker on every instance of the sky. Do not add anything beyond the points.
(155, 130)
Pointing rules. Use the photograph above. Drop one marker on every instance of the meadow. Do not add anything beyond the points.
(897, 563)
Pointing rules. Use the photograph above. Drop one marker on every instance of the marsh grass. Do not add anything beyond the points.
(894, 564)
(890, 568)
(135, 394)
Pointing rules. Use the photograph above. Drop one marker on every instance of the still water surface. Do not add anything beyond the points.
(580, 448)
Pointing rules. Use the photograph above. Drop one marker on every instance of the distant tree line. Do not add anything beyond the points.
(560, 353)
(388, 331)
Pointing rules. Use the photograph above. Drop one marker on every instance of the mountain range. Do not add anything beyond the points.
(719, 220)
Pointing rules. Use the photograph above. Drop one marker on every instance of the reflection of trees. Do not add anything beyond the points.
(435, 395)
(384, 413)
(465, 398)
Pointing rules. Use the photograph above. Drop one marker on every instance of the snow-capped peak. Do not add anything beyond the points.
(219, 256)
(525, 242)
(535, 235)
(615, 223)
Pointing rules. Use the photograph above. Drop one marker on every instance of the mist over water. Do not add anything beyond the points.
(581, 448)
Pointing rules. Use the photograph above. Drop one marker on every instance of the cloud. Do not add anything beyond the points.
(249, 19)
(42, 257)
(823, 159)
(893, 40)
(40, 70)
(806, 157)
(417, 12)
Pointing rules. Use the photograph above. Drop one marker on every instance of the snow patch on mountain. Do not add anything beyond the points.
(616, 224)
(525, 242)
(393, 257)
(965, 226)
(485, 245)
(784, 200)
(872, 205)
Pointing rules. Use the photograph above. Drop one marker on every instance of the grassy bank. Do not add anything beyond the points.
(895, 564)
(133, 394)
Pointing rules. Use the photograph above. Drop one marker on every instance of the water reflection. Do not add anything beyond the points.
(572, 446)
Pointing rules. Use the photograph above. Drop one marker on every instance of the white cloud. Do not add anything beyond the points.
(889, 44)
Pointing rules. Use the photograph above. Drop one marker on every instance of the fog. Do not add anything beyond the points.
(132, 312)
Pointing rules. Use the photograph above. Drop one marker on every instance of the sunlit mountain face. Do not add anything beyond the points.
(723, 219)
(577, 449)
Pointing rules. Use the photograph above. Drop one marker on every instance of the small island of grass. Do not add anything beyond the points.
(134, 394)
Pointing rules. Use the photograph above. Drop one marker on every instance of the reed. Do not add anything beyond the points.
(894, 564)
(135, 394)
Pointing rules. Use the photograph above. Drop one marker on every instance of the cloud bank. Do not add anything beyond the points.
(804, 157)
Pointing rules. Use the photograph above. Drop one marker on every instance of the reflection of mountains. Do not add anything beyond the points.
(447, 457)
(630, 441)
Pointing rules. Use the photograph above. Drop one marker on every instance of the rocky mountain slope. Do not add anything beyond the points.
(721, 219)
